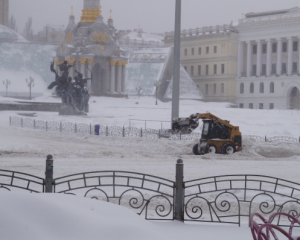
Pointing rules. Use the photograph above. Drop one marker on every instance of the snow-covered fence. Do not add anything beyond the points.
(82, 128)
(218, 199)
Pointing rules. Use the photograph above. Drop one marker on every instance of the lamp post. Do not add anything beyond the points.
(6, 83)
(139, 89)
(30, 84)
(156, 84)
(176, 66)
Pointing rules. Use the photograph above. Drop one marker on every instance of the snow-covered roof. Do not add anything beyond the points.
(9, 35)
(141, 36)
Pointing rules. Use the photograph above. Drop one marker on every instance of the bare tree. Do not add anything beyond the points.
(12, 23)
(28, 32)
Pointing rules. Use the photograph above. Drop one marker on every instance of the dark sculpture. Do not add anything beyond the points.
(73, 93)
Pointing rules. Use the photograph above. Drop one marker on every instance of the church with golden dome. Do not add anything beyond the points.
(91, 46)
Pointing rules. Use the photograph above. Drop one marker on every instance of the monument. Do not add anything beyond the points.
(91, 47)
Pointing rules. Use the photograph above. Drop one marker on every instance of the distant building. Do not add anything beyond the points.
(91, 45)
(50, 34)
(209, 56)
(269, 60)
(4, 12)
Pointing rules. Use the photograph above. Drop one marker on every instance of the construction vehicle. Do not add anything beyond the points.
(218, 136)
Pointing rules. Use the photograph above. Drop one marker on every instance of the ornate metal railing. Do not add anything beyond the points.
(145, 194)
(219, 199)
(16, 180)
(226, 199)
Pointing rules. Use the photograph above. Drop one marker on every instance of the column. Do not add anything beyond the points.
(71, 61)
(258, 61)
(269, 55)
(290, 56)
(82, 66)
(279, 56)
(298, 55)
(89, 74)
(124, 77)
(249, 59)
(240, 59)
(112, 75)
(119, 80)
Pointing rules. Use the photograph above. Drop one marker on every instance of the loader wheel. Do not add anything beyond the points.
(211, 149)
(228, 149)
(196, 149)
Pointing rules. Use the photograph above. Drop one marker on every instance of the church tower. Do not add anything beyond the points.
(4, 4)
(91, 11)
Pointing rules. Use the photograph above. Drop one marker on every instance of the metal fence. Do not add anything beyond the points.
(218, 199)
(117, 131)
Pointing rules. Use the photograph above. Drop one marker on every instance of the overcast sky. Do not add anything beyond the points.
(150, 15)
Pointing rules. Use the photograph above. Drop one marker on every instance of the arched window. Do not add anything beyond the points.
(252, 87)
(261, 87)
(242, 88)
(272, 87)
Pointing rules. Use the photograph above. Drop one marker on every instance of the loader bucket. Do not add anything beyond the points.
(184, 125)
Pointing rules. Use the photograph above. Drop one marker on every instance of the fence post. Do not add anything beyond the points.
(9, 120)
(34, 124)
(90, 129)
(46, 126)
(159, 134)
(179, 192)
(60, 127)
(299, 139)
(106, 132)
(141, 132)
(21, 122)
(49, 174)
(123, 131)
(75, 128)
(265, 138)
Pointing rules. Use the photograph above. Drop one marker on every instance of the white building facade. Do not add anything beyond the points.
(268, 75)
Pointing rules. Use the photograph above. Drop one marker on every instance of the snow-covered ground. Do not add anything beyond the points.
(25, 150)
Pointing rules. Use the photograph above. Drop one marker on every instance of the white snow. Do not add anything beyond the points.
(52, 216)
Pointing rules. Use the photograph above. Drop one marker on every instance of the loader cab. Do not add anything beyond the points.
(213, 130)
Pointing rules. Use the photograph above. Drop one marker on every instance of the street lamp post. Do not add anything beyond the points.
(30, 84)
(6, 83)
(139, 89)
(176, 64)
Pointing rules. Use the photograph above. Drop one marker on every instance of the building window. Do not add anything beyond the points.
(193, 51)
(185, 68)
(283, 68)
(252, 87)
(254, 49)
(215, 68)
(207, 50)
(295, 68)
(222, 68)
(295, 46)
(261, 106)
(261, 87)
(192, 70)
(273, 71)
(284, 47)
(215, 49)
(253, 70)
(251, 105)
(274, 47)
(185, 52)
(271, 106)
(241, 105)
(199, 51)
(241, 88)
(222, 87)
(199, 70)
(206, 88)
(215, 88)
(206, 69)
(264, 48)
(264, 70)
(272, 87)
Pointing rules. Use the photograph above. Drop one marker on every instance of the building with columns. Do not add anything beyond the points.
(91, 46)
(209, 56)
(4, 12)
(268, 73)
